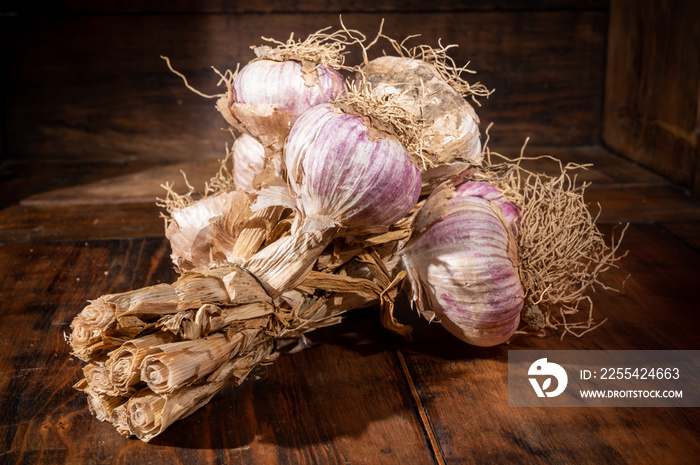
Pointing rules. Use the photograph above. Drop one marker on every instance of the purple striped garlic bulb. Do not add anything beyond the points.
(288, 85)
(346, 172)
(462, 263)
(267, 96)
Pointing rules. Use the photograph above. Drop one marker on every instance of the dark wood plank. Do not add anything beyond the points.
(463, 389)
(687, 231)
(62, 201)
(304, 6)
(622, 204)
(652, 101)
(114, 99)
(20, 223)
(606, 168)
(70, 183)
(342, 400)
(45, 183)
(65, 201)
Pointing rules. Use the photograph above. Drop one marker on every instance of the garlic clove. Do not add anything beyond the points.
(248, 160)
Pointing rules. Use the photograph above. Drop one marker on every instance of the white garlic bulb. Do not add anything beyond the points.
(451, 126)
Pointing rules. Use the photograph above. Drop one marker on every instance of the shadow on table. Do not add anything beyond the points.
(346, 380)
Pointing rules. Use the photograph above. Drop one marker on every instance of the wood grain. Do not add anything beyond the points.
(111, 98)
(464, 389)
(42, 287)
(686, 231)
(92, 123)
(642, 203)
(302, 6)
(69, 183)
(351, 402)
(80, 222)
(65, 201)
(652, 105)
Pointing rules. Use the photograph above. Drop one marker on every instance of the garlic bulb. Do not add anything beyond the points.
(462, 266)
(267, 96)
(451, 127)
(248, 160)
(346, 172)
(289, 85)
(343, 173)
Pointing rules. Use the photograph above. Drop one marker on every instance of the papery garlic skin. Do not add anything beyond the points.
(451, 126)
(289, 85)
(98, 378)
(248, 160)
(462, 270)
(201, 233)
(347, 173)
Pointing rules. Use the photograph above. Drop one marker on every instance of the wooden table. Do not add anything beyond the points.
(358, 394)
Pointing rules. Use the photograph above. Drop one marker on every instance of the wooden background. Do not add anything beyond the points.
(92, 123)
(88, 85)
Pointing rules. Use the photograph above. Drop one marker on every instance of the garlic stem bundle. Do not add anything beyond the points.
(89, 327)
(181, 363)
(170, 380)
(103, 406)
(124, 361)
(148, 414)
(125, 315)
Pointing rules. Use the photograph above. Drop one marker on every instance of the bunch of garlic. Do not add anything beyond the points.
(343, 195)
